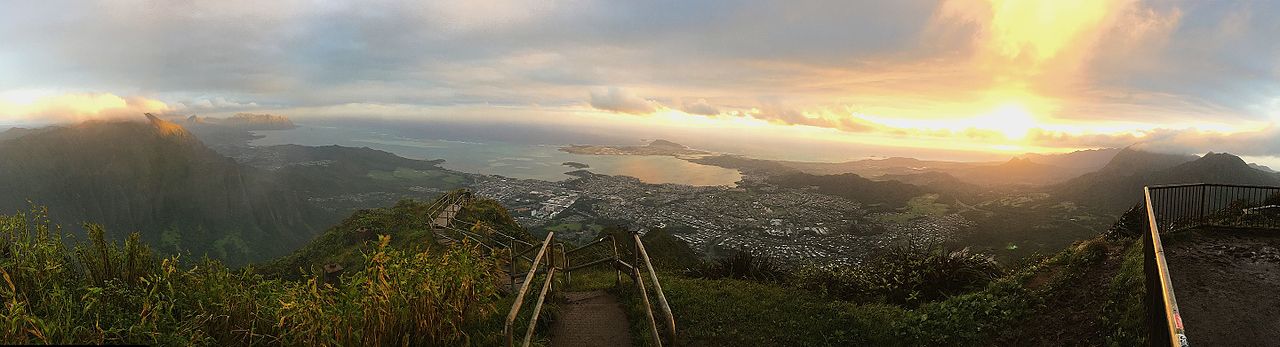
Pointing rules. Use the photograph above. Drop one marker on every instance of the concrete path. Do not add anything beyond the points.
(592, 318)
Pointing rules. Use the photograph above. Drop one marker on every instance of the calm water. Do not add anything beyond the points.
(543, 162)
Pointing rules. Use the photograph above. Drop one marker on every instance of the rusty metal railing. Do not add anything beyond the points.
(1185, 206)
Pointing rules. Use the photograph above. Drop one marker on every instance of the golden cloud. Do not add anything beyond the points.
(74, 107)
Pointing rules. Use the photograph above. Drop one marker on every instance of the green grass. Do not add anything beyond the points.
(413, 175)
(730, 312)
(1126, 308)
(56, 290)
(736, 312)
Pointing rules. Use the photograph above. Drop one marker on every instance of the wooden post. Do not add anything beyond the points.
(657, 287)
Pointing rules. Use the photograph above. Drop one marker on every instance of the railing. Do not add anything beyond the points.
(551, 269)
(524, 287)
(636, 274)
(1185, 206)
(642, 254)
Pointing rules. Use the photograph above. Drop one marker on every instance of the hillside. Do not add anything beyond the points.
(1090, 293)
(892, 194)
(156, 178)
(1119, 184)
(1016, 171)
(1078, 162)
(407, 223)
(879, 167)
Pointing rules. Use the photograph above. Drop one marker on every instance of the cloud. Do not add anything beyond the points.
(76, 107)
(1088, 61)
(777, 112)
(621, 100)
(215, 103)
(700, 107)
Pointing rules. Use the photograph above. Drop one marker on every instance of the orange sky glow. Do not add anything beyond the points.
(997, 76)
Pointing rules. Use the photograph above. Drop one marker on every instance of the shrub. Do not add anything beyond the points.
(1132, 224)
(744, 266)
(906, 276)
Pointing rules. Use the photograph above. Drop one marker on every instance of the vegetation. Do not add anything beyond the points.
(892, 194)
(399, 287)
(907, 276)
(58, 290)
(919, 295)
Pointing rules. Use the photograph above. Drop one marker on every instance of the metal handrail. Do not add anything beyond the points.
(524, 287)
(1172, 316)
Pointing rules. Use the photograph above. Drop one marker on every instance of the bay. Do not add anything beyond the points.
(515, 160)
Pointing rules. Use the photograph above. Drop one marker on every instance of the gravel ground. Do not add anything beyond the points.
(1227, 284)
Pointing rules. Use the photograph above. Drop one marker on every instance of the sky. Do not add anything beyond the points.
(993, 76)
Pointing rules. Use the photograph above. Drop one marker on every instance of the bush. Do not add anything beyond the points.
(743, 266)
(906, 276)
(1130, 225)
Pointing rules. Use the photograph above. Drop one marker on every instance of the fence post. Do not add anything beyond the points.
(616, 257)
(1200, 217)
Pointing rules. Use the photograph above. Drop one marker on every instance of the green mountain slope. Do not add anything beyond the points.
(158, 179)
(407, 223)
(892, 194)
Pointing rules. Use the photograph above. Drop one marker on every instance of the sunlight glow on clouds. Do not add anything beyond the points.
(47, 107)
(993, 75)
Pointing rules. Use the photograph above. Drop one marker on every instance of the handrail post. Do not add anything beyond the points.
(644, 297)
(657, 287)
(568, 275)
(1204, 196)
(511, 274)
(537, 309)
(524, 287)
(616, 257)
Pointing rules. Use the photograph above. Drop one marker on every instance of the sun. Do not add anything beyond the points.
(1010, 119)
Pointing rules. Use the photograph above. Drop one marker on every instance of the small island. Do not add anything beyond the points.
(657, 147)
(576, 165)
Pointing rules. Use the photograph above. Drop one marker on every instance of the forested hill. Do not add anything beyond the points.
(892, 194)
(156, 178)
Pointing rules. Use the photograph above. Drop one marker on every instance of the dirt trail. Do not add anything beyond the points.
(592, 318)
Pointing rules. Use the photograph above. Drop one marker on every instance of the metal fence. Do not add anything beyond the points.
(1172, 208)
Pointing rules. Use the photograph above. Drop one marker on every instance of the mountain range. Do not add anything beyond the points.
(1118, 185)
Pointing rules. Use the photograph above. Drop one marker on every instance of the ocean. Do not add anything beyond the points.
(540, 161)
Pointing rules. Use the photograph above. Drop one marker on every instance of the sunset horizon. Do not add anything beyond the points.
(995, 77)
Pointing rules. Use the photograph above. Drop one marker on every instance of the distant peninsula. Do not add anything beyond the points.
(657, 147)
(576, 165)
(245, 121)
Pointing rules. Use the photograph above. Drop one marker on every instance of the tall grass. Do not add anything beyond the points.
(57, 290)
